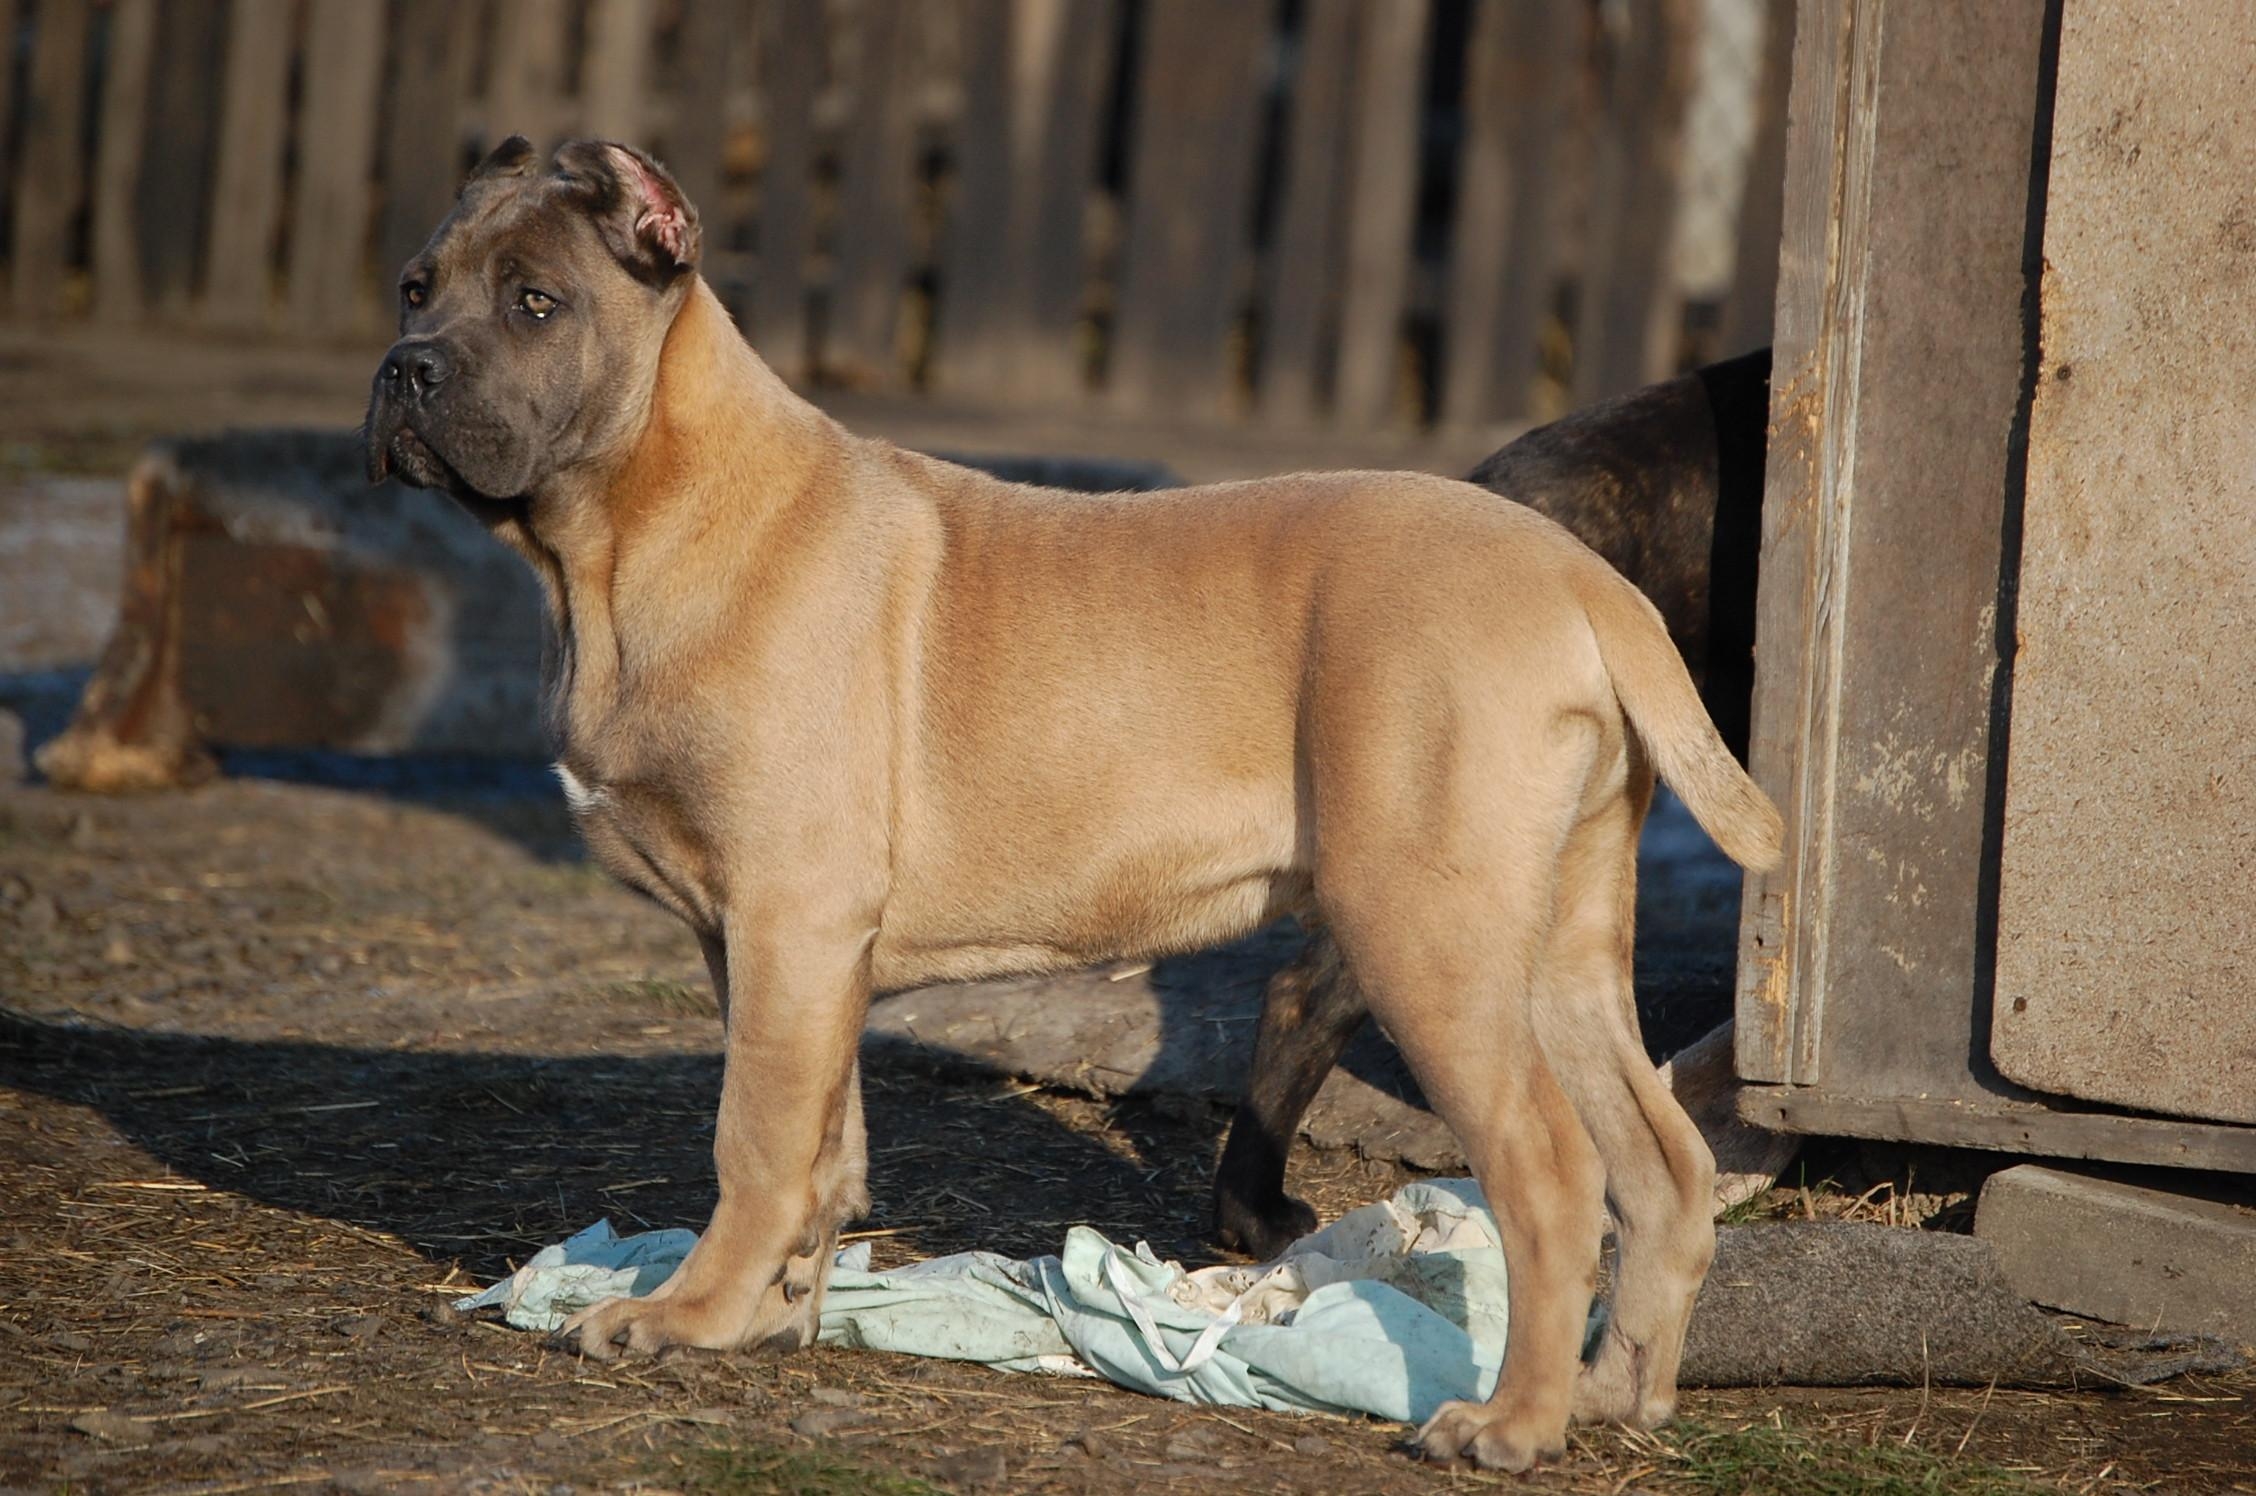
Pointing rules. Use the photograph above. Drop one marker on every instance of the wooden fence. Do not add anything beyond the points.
(1355, 212)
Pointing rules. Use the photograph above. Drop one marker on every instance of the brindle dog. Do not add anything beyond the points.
(867, 720)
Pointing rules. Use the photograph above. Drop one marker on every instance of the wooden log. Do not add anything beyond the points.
(337, 140)
(1504, 248)
(1390, 102)
(49, 178)
(247, 192)
(1189, 210)
(793, 52)
(117, 160)
(174, 199)
(1630, 315)
(1748, 306)
(1300, 307)
(870, 241)
(615, 78)
(526, 93)
(424, 149)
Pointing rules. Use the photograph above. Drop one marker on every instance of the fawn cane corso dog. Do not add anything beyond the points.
(866, 720)
(1666, 484)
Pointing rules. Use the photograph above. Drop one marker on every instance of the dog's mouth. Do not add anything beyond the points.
(403, 452)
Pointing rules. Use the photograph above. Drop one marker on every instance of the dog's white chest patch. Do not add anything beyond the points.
(577, 795)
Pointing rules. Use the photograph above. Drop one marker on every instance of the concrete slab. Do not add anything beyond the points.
(2124, 1252)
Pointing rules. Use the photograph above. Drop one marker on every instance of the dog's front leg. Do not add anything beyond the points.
(788, 1146)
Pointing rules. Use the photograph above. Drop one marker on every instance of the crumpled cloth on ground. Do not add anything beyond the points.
(1391, 1310)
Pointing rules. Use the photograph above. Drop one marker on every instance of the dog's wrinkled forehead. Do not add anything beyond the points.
(596, 204)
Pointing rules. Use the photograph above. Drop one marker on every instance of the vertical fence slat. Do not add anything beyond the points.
(712, 52)
(7, 72)
(337, 140)
(51, 176)
(1629, 308)
(1065, 52)
(247, 193)
(173, 201)
(1389, 104)
(1503, 243)
(988, 172)
(1749, 305)
(1300, 309)
(525, 95)
(117, 161)
(792, 49)
(876, 173)
(1196, 119)
(616, 75)
(423, 144)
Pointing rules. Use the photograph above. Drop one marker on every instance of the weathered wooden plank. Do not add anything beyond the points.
(432, 46)
(1300, 305)
(247, 192)
(1749, 304)
(525, 95)
(50, 179)
(2001, 1124)
(1629, 311)
(1894, 404)
(1189, 211)
(8, 18)
(793, 48)
(174, 199)
(2129, 840)
(973, 323)
(337, 141)
(1390, 102)
(615, 79)
(1063, 54)
(117, 159)
(870, 245)
(1504, 244)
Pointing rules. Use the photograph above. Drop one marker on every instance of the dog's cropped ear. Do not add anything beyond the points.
(637, 206)
(512, 158)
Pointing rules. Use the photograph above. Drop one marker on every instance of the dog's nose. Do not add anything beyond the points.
(416, 369)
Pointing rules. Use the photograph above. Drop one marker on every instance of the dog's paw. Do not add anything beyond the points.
(618, 1328)
(1491, 1437)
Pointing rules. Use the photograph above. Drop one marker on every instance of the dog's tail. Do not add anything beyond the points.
(1657, 695)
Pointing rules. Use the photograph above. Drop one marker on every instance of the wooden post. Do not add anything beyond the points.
(712, 48)
(117, 162)
(616, 75)
(1895, 397)
(1629, 315)
(174, 200)
(423, 138)
(1754, 278)
(1503, 251)
(1301, 306)
(247, 195)
(987, 181)
(49, 180)
(337, 134)
(1196, 118)
(525, 95)
(1390, 102)
(870, 241)
(792, 54)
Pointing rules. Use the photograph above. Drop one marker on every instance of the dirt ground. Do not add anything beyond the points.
(285, 1068)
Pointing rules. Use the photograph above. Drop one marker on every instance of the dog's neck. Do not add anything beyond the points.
(628, 547)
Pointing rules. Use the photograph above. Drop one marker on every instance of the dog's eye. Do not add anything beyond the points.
(537, 304)
(414, 293)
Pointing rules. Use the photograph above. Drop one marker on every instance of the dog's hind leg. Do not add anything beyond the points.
(1660, 1175)
(1310, 1011)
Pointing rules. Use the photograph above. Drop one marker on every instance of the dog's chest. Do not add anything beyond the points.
(643, 840)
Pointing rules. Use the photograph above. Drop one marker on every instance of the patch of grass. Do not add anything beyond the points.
(765, 1470)
(658, 995)
(1762, 1460)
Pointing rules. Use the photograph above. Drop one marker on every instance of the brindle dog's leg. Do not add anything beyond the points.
(1311, 1010)
(789, 1149)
